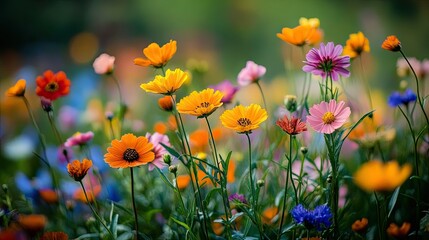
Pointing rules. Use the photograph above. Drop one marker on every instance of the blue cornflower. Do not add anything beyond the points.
(398, 98)
(318, 218)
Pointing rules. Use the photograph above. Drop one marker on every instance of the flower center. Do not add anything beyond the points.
(328, 118)
(244, 122)
(51, 87)
(204, 104)
(130, 155)
(326, 65)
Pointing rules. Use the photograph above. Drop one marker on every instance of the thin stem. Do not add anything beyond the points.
(178, 192)
(290, 169)
(262, 94)
(279, 234)
(380, 227)
(417, 86)
(94, 212)
(368, 90)
(111, 129)
(121, 103)
(134, 205)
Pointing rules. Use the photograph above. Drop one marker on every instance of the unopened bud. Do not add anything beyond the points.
(166, 103)
(167, 159)
(172, 169)
(46, 104)
(290, 103)
(304, 150)
(109, 115)
(329, 179)
(403, 85)
(260, 183)
(4, 187)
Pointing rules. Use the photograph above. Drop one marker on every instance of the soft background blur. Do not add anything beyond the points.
(69, 35)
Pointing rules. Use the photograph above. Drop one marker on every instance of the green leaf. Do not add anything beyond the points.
(393, 200)
(171, 151)
(88, 235)
(114, 225)
(165, 179)
(357, 123)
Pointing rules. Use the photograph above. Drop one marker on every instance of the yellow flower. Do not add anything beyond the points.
(77, 170)
(301, 35)
(200, 104)
(157, 56)
(378, 176)
(356, 44)
(244, 119)
(167, 85)
(18, 90)
(312, 22)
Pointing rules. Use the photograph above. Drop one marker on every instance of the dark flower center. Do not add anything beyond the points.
(51, 87)
(244, 122)
(326, 65)
(130, 155)
(204, 105)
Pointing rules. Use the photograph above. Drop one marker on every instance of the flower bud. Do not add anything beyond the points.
(167, 159)
(260, 183)
(329, 179)
(166, 103)
(109, 115)
(290, 103)
(46, 104)
(172, 169)
(403, 85)
(304, 150)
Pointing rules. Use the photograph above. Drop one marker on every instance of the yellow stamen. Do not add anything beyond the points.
(51, 87)
(328, 118)
(244, 122)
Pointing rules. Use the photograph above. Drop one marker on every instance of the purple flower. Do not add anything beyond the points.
(156, 139)
(251, 73)
(79, 139)
(327, 61)
(319, 218)
(236, 197)
(227, 89)
(397, 98)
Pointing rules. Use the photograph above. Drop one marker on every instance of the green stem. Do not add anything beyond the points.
(121, 103)
(134, 205)
(279, 234)
(262, 94)
(290, 170)
(380, 227)
(178, 192)
(54, 128)
(368, 90)
(94, 212)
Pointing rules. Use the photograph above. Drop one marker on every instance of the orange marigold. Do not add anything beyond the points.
(77, 170)
(52, 86)
(399, 232)
(54, 236)
(157, 56)
(360, 225)
(391, 43)
(32, 223)
(130, 151)
(17, 90)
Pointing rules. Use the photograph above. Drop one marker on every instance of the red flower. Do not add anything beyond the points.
(293, 126)
(52, 86)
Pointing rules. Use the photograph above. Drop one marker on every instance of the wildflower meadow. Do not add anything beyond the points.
(242, 157)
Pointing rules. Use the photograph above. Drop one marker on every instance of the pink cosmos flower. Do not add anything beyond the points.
(79, 139)
(327, 61)
(251, 73)
(227, 89)
(327, 117)
(156, 139)
(104, 64)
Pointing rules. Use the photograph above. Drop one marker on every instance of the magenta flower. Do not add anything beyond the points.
(156, 139)
(327, 61)
(79, 139)
(251, 73)
(104, 64)
(327, 117)
(227, 89)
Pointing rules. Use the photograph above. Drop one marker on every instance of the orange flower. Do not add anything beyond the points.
(183, 181)
(218, 228)
(293, 126)
(32, 223)
(130, 151)
(54, 236)
(52, 86)
(230, 176)
(166, 103)
(200, 104)
(160, 127)
(378, 176)
(18, 90)
(391, 43)
(91, 192)
(157, 56)
(77, 170)
(360, 226)
(356, 44)
(399, 232)
(199, 140)
(301, 35)
(49, 196)
(269, 214)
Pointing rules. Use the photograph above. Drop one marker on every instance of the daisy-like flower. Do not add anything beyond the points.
(244, 119)
(251, 73)
(17, 90)
(301, 35)
(398, 98)
(167, 84)
(52, 86)
(130, 151)
(360, 225)
(54, 236)
(78, 170)
(228, 90)
(32, 223)
(79, 139)
(399, 232)
(391, 43)
(200, 104)
(327, 61)
(327, 117)
(156, 139)
(378, 176)
(104, 64)
(356, 44)
(156, 56)
(293, 126)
